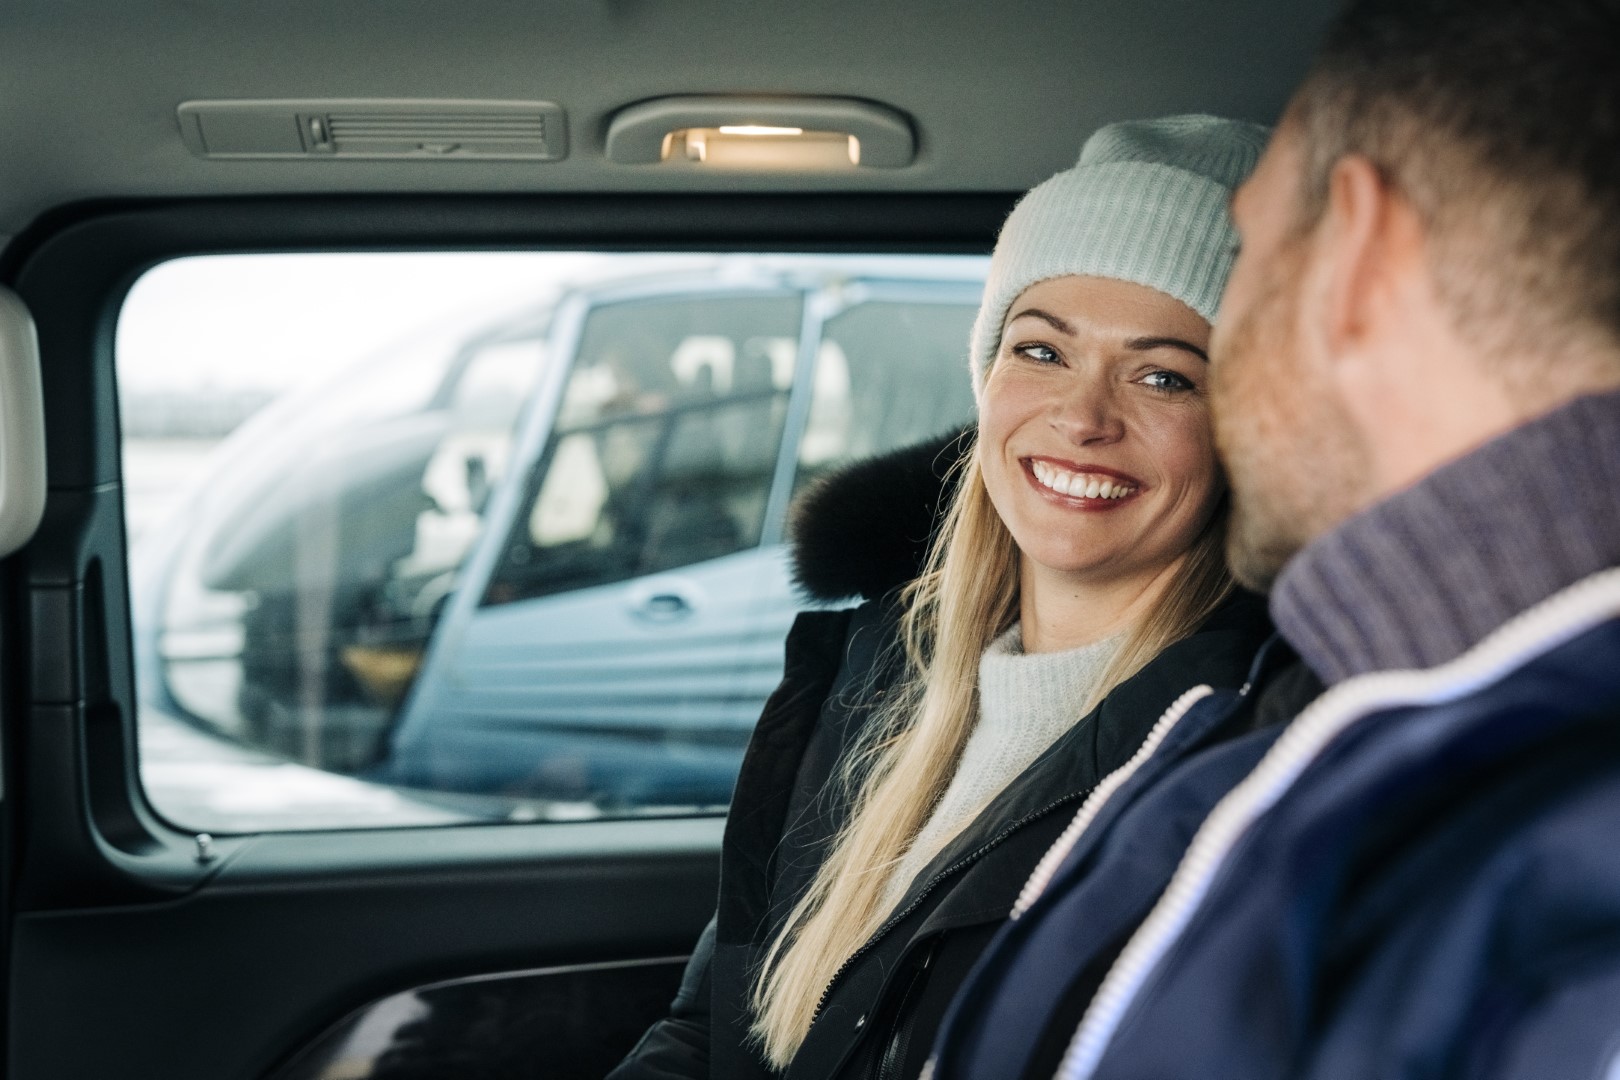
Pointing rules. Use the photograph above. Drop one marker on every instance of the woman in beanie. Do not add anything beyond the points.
(908, 775)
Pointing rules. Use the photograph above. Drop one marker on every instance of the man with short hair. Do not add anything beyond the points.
(1416, 378)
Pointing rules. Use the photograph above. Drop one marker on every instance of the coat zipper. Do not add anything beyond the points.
(933, 883)
(1539, 630)
(1095, 797)
(1048, 866)
(899, 1041)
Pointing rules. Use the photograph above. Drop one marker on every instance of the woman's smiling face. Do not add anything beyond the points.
(1094, 428)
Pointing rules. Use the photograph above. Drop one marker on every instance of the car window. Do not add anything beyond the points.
(664, 447)
(889, 373)
(490, 537)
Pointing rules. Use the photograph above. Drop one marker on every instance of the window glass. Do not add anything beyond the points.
(665, 446)
(889, 373)
(479, 537)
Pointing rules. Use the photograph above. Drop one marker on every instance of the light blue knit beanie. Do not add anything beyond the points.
(1147, 203)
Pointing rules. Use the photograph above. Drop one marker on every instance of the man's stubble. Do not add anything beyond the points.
(1295, 461)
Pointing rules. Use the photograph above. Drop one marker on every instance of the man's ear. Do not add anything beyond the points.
(1355, 245)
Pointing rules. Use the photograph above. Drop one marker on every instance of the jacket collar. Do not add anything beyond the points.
(1499, 742)
(1422, 577)
(1220, 653)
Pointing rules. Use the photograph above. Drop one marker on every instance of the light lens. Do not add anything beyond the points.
(758, 129)
(760, 148)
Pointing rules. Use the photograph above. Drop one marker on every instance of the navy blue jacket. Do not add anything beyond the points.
(1417, 877)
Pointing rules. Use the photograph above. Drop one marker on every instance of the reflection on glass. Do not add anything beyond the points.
(525, 566)
(665, 443)
(298, 621)
(644, 495)
(884, 379)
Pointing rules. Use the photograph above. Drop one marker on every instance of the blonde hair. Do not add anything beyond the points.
(966, 596)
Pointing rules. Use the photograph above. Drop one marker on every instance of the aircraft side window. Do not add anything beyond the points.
(663, 448)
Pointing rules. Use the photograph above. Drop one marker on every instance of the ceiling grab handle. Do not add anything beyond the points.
(22, 426)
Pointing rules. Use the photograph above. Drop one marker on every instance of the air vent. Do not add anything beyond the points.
(376, 130)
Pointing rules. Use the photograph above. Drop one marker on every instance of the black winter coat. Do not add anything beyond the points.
(864, 532)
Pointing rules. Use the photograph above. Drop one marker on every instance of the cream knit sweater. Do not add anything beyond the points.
(1026, 700)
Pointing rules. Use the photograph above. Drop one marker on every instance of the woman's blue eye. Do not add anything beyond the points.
(1167, 380)
(1041, 354)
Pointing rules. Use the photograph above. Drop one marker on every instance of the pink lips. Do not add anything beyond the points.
(1081, 502)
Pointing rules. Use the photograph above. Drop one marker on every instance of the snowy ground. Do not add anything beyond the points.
(209, 784)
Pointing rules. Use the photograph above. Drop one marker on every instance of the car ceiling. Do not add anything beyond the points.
(1001, 94)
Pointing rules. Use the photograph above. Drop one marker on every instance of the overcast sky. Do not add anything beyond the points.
(277, 321)
(280, 321)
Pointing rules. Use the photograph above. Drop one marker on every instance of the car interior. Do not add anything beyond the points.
(405, 936)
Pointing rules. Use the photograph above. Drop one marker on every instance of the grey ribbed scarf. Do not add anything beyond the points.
(1427, 574)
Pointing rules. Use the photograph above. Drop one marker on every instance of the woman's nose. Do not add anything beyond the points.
(1087, 417)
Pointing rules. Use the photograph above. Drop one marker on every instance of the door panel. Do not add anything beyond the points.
(504, 1026)
(295, 931)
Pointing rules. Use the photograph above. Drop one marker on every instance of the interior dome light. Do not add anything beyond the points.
(761, 134)
(754, 148)
(757, 129)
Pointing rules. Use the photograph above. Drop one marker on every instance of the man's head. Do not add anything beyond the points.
(1431, 256)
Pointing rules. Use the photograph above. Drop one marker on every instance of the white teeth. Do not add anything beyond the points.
(1079, 485)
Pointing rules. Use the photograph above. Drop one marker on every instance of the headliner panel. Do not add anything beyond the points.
(1003, 95)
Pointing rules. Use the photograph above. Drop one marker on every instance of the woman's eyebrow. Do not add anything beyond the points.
(1138, 344)
(1144, 344)
(1046, 317)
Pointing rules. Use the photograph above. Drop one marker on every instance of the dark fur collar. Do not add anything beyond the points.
(865, 528)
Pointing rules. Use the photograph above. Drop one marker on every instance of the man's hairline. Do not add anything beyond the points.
(1319, 91)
